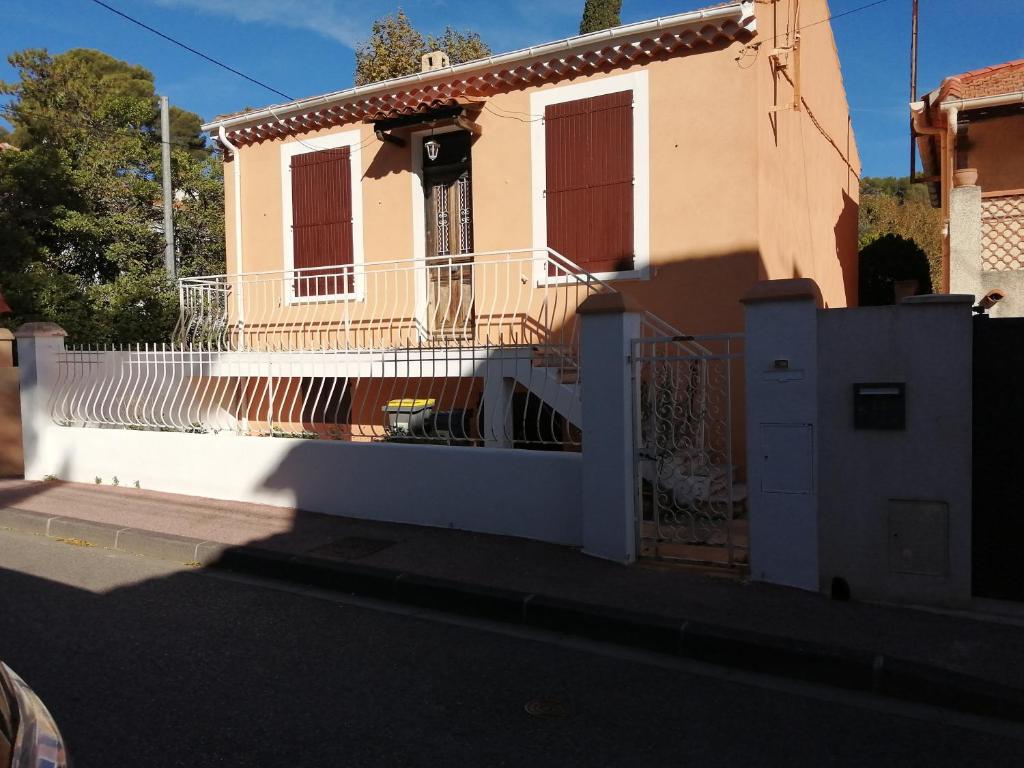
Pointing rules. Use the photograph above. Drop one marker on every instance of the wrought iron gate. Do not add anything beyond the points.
(686, 480)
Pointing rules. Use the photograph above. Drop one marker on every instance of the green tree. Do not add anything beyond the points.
(186, 132)
(886, 261)
(394, 48)
(80, 203)
(460, 46)
(895, 206)
(600, 14)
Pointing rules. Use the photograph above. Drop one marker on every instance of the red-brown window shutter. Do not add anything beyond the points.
(322, 221)
(589, 150)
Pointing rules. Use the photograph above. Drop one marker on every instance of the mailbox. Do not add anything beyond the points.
(880, 406)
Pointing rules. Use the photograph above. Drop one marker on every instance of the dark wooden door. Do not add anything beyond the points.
(998, 460)
(449, 236)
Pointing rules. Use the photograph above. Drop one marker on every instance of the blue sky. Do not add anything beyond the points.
(305, 47)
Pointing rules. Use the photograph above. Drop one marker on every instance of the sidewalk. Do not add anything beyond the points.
(967, 663)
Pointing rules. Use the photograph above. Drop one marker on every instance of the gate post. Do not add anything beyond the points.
(782, 431)
(11, 464)
(609, 325)
(38, 347)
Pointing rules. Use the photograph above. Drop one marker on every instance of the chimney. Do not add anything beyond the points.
(434, 60)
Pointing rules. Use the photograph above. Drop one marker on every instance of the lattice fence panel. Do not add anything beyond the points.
(1002, 233)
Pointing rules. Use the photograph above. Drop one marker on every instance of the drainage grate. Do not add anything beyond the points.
(351, 548)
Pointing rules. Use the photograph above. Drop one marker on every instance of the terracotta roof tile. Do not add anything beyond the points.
(986, 81)
(616, 47)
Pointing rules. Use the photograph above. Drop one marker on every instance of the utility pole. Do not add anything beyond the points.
(913, 87)
(165, 152)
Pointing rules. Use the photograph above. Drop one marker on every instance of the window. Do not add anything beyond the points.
(589, 181)
(321, 190)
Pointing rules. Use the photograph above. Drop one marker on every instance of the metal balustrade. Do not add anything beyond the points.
(496, 298)
(476, 349)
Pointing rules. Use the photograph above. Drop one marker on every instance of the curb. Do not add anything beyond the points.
(723, 646)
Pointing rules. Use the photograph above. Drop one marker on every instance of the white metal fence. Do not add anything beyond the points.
(497, 298)
(688, 493)
(480, 349)
(501, 397)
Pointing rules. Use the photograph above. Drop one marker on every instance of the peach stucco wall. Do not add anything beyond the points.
(733, 198)
(994, 148)
(808, 173)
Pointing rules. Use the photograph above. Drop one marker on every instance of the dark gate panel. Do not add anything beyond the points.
(998, 504)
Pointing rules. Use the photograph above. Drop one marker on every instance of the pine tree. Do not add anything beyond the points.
(600, 14)
(80, 213)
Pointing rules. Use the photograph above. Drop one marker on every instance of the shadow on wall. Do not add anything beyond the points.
(699, 294)
(445, 487)
(846, 248)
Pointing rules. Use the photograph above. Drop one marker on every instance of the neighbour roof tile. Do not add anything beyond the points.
(986, 81)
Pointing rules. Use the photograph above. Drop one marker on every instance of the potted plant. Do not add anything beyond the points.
(965, 177)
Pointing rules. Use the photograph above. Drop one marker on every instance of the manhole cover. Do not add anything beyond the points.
(351, 548)
(549, 708)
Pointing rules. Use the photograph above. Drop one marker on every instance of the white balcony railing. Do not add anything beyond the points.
(477, 349)
(499, 298)
(480, 349)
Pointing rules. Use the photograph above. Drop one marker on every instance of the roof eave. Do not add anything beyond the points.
(742, 12)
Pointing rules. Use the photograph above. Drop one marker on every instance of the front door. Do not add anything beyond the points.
(447, 185)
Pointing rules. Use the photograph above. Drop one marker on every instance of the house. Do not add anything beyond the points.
(970, 133)
(414, 250)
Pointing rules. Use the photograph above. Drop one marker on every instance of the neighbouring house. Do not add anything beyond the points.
(970, 133)
(430, 237)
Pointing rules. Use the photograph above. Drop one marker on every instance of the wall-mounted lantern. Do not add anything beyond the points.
(432, 147)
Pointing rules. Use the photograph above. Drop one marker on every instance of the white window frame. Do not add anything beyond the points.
(632, 81)
(353, 140)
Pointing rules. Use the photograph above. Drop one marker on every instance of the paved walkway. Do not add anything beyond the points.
(989, 650)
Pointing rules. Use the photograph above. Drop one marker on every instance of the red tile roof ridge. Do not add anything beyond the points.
(972, 83)
(992, 68)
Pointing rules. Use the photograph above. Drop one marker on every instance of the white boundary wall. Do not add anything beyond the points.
(530, 494)
(885, 512)
(533, 494)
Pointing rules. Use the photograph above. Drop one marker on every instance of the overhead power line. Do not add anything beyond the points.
(833, 17)
(847, 13)
(190, 49)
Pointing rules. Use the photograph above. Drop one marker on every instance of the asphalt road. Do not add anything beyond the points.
(149, 663)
